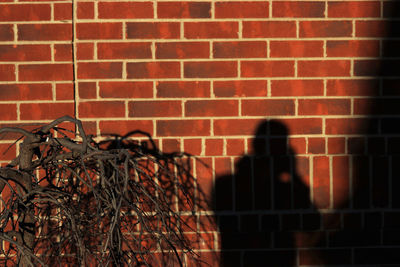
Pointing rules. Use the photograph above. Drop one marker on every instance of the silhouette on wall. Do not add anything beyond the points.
(259, 208)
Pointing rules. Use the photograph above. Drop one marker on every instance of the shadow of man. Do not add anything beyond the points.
(261, 207)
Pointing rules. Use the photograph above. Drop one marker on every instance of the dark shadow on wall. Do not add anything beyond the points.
(260, 208)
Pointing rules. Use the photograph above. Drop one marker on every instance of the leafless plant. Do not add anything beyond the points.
(88, 203)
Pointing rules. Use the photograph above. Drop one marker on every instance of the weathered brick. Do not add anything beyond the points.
(63, 11)
(45, 111)
(123, 50)
(297, 88)
(267, 107)
(7, 72)
(182, 50)
(175, 89)
(297, 48)
(324, 107)
(235, 126)
(325, 29)
(201, 30)
(211, 108)
(269, 29)
(298, 9)
(25, 53)
(183, 127)
(125, 10)
(8, 112)
(126, 89)
(359, 87)
(99, 70)
(44, 32)
(123, 127)
(18, 92)
(321, 186)
(45, 72)
(240, 88)
(25, 12)
(323, 68)
(267, 68)
(63, 52)
(354, 9)
(352, 48)
(87, 90)
(163, 108)
(85, 10)
(85, 51)
(242, 49)
(101, 109)
(97, 30)
(6, 32)
(153, 30)
(372, 28)
(241, 9)
(184, 10)
(154, 70)
(210, 69)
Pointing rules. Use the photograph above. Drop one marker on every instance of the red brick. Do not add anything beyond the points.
(62, 52)
(211, 108)
(192, 146)
(267, 107)
(269, 29)
(240, 88)
(45, 32)
(153, 70)
(45, 72)
(183, 10)
(85, 51)
(63, 11)
(340, 180)
(183, 127)
(125, 10)
(8, 112)
(65, 91)
(242, 49)
(126, 126)
(87, 90)
(214, 147)
(203, 30)
(298, 9)
(360, 87)
(6, 32)
(353, 9)
(25, 52)
(336, 145)
(297, 88)
(301, 126)
(316, 145)
(85, 10)
(297, 48)
(234, 147)
(324, 107)
(236, 126)
(323, 68)
(321, 182)
(8, 152)
(325, 28)
(176, 89)
(155, 108)
(153, 30)
(345, 126)
(241, 10)
(100, 109)
(25, 12)
(297, 145)
(267, 68)
(99, 70)
(7, 72)
(126, 89)
(18, 92)
(353, 48)
(123, 50)
(210, 69)
(182, 50)
(46, 111)
(371, 67)
(171, 146)
(372, 28)
(109, 30)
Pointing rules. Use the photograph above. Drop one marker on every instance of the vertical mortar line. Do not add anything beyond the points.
(96, 10)
(155, 7)
(326, 9)
(325, 87)
(52, 11)
(269, 89)
(353, 34)
(182, 29)
(124, 71)
(74, 59)
(295, 68)
(240, 29)
(311, 170)
(95, 50)
(52, 51)
(224, 148)
(324, 47)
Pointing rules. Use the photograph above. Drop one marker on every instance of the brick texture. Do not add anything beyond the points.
(291, 108)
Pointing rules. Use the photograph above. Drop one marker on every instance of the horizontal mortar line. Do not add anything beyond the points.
(224, 98)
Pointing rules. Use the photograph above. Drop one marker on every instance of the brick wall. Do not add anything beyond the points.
(291, 105)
